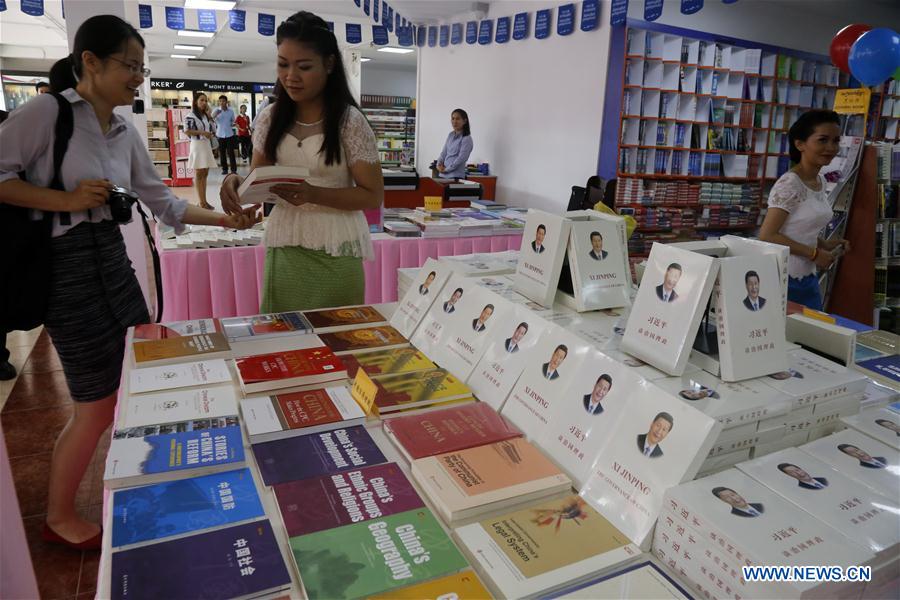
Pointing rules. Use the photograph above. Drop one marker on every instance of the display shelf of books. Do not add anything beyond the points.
(703, 130)
(884, 113)
(158, 143)
(887, 236)
(393, 119)
(179, 149)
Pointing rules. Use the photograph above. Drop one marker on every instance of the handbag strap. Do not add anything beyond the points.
(65, 125)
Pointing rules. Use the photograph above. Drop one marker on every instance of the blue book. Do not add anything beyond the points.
(168, 456)
(886, 368)
(165, 509)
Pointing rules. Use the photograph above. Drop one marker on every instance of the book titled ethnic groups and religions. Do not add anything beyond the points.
(480, 443)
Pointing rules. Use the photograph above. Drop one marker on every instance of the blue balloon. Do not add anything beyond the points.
(875, 55)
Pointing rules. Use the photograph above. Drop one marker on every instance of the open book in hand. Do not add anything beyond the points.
(257, 186)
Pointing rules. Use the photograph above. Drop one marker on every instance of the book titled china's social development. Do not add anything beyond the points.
(300, 413)
(541, 257)
(427, 287)
(598, 259)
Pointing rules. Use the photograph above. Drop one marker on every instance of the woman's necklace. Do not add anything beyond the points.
(302, 124)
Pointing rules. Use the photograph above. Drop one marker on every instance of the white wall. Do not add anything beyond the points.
(535, 107)
(177, 68)
(391, 80)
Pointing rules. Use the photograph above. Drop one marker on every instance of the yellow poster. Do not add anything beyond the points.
(853, 101)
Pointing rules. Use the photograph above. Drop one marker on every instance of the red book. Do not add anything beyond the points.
(448, 430)
(300, 413)
(291, 368)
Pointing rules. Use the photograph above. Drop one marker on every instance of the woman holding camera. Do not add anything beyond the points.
(317, 236)
(94, 296)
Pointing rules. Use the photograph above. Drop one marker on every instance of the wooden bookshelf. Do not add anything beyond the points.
(884, 113)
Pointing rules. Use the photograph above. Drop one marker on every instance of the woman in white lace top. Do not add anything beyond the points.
(317, 235)
(799, 208)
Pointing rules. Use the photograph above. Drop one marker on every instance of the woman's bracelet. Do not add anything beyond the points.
(814, 254)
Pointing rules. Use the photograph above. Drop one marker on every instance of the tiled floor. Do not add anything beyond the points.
(35, 406)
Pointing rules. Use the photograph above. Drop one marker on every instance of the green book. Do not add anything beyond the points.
(372, 557)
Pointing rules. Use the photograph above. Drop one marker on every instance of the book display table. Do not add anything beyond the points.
(226, 282)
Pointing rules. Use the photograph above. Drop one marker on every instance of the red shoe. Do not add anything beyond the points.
(52, 537)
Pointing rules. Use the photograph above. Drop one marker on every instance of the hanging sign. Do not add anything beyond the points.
(502, 35)
(432, 36)
(354, 33)
(520, 26)
(35, 8)
(330, 26)
(542, 24)
(375, 10)
(728, 1)
(405, 36)
(590, 15)
(471, 32)
(445, 36)
(380, 35)
(357, 2)
(421, 32)
(388, 17)
(456, 34)
(237, 20)
(398, 22)
(2, 5)
(565, 20)
(366, 8)
(485, 32)
(206, 20)
(689, 7)
(174, 17)
(266, 24)
(618, 12)
(652, 9)
(145, 16)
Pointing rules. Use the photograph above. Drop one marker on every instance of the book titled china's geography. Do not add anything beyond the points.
(427, 287)
(670, 302)
(544, 243)
(598, 259)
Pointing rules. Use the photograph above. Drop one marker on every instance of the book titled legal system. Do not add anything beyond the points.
(271, 325)
(340, 319)
(256, 188)
(166, 351)
(541, 257)
(427, 286)
(293, 368)
(300, 413)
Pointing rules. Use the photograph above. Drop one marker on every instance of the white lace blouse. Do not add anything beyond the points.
(808, 213)
(336, 232)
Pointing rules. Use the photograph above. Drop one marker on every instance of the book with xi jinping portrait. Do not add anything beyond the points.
(282, 370)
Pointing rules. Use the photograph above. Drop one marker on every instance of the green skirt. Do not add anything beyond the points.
(297, 278)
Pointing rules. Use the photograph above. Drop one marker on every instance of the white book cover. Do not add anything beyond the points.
(178, 405)
(731, 404)
(642, 581)
(750, 325)
(810, 378)
(861, 458)
(598, 259)
(642, 369)
(881, 424)
(741, 246)
(544, 241)
(547, 374)
(657, 443)
(664, 319)
(193, 327)
(867, 518)
(427, 285)
(433, 329)
(513, 344)
(152, 379)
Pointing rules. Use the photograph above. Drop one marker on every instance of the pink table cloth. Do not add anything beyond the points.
(227, 282)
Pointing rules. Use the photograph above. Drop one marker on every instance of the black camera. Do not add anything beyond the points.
(120, 201)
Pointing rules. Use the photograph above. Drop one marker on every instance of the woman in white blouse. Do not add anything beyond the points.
(799, 209)
(317, 236)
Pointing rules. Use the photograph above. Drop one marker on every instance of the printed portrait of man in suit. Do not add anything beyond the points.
(592, 401)
(865, 459)
(538, 244)
(804, 479)
(753, 301)
(889, 425)
(423, 289)
(739, 506)
(597, 252)
(782, 375)
(550, 369)
(648, 443)
(700, 393)
(666, 290)
(512, 343)
(479, 323)
(454, 298)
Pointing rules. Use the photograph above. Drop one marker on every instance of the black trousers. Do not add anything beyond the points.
(4, 353)
(246, 146)
(227, 147)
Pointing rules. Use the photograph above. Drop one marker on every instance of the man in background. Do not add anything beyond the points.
(224, 118)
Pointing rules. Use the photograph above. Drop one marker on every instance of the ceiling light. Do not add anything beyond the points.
(195, 33)
(364, 59)
(393, 50)
(182, 56)
(209, 4)
(191, 47)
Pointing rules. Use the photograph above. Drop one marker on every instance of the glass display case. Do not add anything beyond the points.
(19, 88)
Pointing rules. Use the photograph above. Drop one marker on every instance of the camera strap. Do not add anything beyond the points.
(154, 253)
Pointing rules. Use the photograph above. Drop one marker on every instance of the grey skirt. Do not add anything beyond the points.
(94, 298)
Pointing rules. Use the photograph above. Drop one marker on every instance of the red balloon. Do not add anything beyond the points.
(841, 43)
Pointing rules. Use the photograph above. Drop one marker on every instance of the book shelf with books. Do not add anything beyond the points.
(884, 113)
(393, 119)
(168, 146)
(704, 130)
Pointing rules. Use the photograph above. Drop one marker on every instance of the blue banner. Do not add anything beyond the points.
(520, 26)
(421, 32)
(389, 19)
(145, 16)
(728, 1)
(485, 31)
(375, 10)
(590, 15)
(266, 24)
(405, 36)
(354, 33)
(471, 32)
(618, 12)
(432, 36)
(689, 7)
(35, 8)
(174, 17)
(398, 22)
(366, 8)
(652, 9)
(206, 20)
(2, 5)
(330, 26)
(237, 20)
(565, 20)
(445, 36)
(380, 35)
(502, 35)
(542, 24)
(357, 2)
(456, 34)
